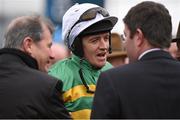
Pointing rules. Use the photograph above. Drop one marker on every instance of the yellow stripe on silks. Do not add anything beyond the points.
(77, 92)
(81, 114)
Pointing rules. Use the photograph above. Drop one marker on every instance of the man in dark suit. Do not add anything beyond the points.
(148, 87)
(26, 91)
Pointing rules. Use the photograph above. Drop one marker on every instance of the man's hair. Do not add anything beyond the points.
(26, 26)
(154, 20)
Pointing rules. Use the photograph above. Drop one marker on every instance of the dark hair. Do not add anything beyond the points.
(154, 21)
(26, 26)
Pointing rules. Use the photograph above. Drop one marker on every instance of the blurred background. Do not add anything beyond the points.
(55, 9)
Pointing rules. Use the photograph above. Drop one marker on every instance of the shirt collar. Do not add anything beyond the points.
(147, 51)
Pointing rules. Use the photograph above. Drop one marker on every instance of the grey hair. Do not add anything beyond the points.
(26, 26)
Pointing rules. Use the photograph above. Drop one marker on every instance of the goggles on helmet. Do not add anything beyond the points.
(88, 15)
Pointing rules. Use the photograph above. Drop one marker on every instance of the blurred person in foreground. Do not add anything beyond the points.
(59, 52)
(26, 90)
(148, 87)
(86, 32)
(118, 56)
(175, 45)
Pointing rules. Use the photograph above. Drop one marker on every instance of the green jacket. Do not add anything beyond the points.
(75, 96)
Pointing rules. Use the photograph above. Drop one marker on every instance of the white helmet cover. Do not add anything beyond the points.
(70, 32)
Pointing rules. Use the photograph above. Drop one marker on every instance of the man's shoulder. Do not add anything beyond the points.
(107, 66)
(42, 77)
(126, 67)
(63, 69)
(62, 64)
(123, 72)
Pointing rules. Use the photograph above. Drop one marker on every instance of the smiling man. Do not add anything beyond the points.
(26, 91)
(86, 32)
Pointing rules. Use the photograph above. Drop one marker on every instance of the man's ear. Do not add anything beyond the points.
(27, 45)
(140, 37)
